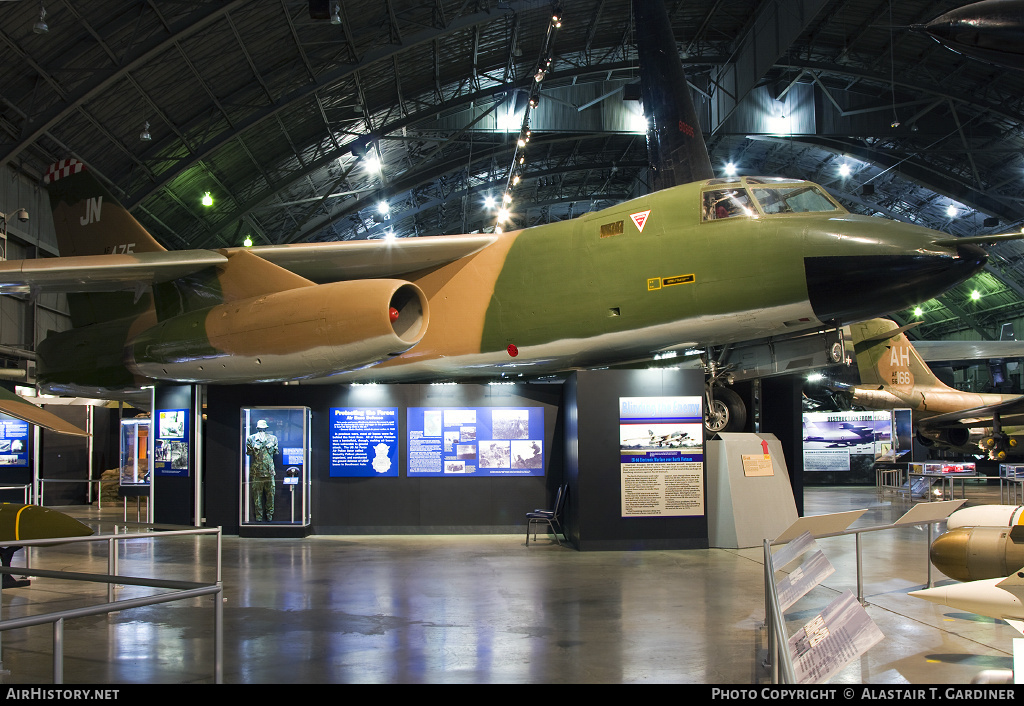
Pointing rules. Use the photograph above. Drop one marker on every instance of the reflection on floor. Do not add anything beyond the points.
(488, 609)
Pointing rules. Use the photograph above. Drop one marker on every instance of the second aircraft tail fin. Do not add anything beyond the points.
(887, 359)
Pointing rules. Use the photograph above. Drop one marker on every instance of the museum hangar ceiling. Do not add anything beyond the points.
(300, 128)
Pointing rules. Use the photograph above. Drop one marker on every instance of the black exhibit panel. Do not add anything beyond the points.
(598, 480)
(389, 502)
(173, 488)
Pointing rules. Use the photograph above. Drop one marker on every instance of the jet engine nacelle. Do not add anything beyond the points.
(307, 332)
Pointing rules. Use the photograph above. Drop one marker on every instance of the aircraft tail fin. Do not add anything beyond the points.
(886, 358)
(675, 142)
(87, 218)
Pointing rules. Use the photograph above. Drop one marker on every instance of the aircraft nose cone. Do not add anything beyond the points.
(949, 554)
(855, 287)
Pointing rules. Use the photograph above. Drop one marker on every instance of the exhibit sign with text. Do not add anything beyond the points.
(661, 455)
(476, 441)
(364, 442)
(13, 442)
(170, 448)
(845, 441)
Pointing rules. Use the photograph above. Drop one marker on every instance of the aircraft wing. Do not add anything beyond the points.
(319, 262)
(363, 259)
(102, 273)
(1011, 413)
(24, 410)
(934, 351)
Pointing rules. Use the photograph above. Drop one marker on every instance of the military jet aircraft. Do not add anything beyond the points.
(893, 375)
(659, 273)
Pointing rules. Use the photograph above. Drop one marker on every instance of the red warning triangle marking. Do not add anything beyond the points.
(639, 219)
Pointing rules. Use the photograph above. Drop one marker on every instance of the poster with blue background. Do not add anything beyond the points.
(364, 442)
(476, 441)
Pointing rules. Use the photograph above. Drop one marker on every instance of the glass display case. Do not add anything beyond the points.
(135, 453)
(275, 482)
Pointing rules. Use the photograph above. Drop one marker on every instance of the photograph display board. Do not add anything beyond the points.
(845, 441)
(13, 442)
(275, 484)
(364, 442)
(134, 452)
(661, 456)
(475, 441)
(170, 447)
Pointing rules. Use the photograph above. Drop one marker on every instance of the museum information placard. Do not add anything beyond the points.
(476, 441)
(364, 442)
(661, 455)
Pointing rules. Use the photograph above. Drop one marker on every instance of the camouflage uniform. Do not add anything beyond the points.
(261, 448)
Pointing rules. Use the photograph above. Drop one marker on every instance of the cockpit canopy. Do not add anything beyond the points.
(763, 196)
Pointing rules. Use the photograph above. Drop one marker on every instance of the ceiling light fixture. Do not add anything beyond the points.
(41, 27)
(144, 135)
(336, 14)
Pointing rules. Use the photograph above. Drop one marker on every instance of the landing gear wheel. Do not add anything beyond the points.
(725, 413)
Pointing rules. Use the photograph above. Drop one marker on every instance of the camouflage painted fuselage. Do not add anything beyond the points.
(608, 287)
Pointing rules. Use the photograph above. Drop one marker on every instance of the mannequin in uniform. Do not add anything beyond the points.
(261, 448)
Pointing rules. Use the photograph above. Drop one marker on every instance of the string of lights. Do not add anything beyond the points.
(543, 66)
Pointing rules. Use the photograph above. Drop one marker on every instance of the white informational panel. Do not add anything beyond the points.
(820, 525)
(837, 636)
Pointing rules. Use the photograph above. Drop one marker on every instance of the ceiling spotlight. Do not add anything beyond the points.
(144, 135)
(489, 201)
(534, 100)
(730, 169)
(844, 170)
(336, 14)
(247, 242)
(918, 311)
(383, 208)
(975, 295)
(951, 211)
(41, 27)
(207, 199)
(894, 124)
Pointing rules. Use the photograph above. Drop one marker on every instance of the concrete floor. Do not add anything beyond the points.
(486, 609)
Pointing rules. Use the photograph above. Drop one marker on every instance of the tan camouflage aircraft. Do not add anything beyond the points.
(893, 376)
(699, 262)
(712, 262)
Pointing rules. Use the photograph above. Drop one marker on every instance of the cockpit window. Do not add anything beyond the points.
(726, 203)
(798, 198)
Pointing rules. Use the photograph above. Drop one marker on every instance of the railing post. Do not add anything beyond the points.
(111, 565)
(58, 651)
(860, 571)
(218, 637)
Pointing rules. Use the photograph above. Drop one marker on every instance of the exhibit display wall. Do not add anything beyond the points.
(481, 456)
(608, 508)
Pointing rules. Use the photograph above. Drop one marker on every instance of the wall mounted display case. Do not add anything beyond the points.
(275, 481)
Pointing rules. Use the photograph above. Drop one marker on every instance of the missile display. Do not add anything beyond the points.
(974, 553)
(998, 598)
(24, 522)
(20, 522)
(986, 516)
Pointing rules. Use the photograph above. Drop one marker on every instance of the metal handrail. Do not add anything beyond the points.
(183, 590)
(775, 620)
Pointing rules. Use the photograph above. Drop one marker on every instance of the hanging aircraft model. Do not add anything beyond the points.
(659, 273)
(991, 31)
(893, 375)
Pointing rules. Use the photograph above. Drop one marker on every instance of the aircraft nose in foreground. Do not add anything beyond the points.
(863, 283)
